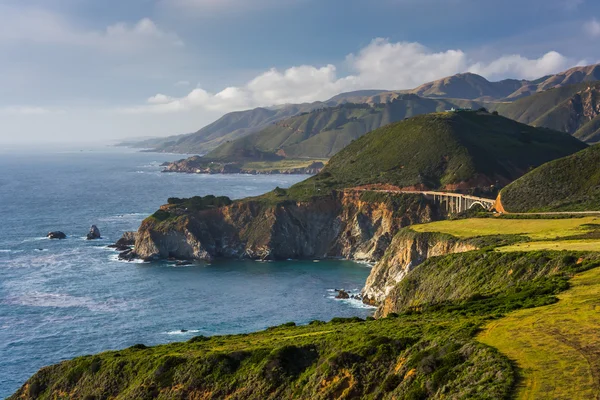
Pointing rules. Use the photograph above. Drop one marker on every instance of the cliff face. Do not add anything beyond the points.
(407, 250)
(348, 225)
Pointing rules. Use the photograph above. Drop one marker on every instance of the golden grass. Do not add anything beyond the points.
(557, 347)
(538, 229)
(289, 163)
(572, 245)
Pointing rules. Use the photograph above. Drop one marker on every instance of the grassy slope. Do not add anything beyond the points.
(558, 109)
(529, 109)
(428, 354)
(429, 351)
(568, 184)
(442, 149)
(322, 133)
(533, 228)
(403, 357)
(556, 347)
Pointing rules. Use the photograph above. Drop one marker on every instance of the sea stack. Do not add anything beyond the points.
(94, 233)
(56, 235)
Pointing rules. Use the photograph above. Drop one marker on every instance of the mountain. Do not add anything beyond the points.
(571, 183)
(466, 86)
(450, 151)
(573, 108)
(322, 133)
(474, 87)
(229, 127)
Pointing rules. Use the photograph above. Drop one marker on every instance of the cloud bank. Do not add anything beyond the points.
(380, 65)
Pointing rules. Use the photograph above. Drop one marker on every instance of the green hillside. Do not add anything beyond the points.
(229, 127)
(324, 132)
(428, 351)
(573, 108)
(464, 150)
(569, 184)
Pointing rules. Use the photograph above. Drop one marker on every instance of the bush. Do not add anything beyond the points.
(161, 215)
(198, 339)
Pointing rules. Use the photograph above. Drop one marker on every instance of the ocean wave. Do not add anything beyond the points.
(62, 300)
(35, 239)
(354, 303)
(179, 332)
(124, 217)
(365, 263)
(115, 258)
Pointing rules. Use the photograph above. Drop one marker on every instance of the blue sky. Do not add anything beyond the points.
(86, 70)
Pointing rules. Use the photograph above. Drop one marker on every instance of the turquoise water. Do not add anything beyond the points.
(60, 299)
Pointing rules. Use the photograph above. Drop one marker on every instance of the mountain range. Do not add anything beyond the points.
(462, 90)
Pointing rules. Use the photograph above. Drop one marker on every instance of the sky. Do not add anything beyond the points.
(101, 71)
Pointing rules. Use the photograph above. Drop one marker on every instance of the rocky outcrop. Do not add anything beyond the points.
(343, 224)
(198, 165)
(94, 233)
(56, 235)
(407, 250)
(128, 239)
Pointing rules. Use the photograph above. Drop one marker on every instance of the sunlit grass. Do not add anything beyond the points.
(539, 229)
(556, 347)
(281, 164)
(572, 245)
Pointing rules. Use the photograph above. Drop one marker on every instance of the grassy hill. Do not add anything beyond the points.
(229, 127)
(573, 108)
(324, 132)
(430, 348)
(464, 150)
(569, 184)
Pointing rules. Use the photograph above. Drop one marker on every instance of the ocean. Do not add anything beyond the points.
(62, 299)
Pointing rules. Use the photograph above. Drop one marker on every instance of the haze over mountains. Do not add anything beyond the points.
(327, 131)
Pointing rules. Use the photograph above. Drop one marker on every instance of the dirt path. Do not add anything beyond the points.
(557, 347)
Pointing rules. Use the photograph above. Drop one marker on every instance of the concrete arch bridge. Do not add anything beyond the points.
(452, 203)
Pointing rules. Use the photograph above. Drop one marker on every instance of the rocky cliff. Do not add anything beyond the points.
(350, 225)
(407, 250)
(200, 165)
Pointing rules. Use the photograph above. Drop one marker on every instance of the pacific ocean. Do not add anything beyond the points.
(62, 299)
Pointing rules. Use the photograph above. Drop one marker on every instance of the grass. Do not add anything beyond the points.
(568, 184)
(571, 245)
(532, 228)
(324, 132)
(285, 164)
(556, 347)
(474, 149)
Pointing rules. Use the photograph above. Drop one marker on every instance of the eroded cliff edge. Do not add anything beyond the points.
(353, 225)
(407, 250)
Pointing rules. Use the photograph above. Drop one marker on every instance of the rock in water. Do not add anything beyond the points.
(342, 294)
(94, 233)
(56, 235)
(128, 239)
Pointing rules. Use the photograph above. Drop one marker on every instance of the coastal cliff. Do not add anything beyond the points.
(275, 166)
(353, 225)
(407, 250)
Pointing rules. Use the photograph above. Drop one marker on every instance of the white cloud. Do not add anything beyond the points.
(380, 65)
(402, 65)
(39, 26)
(520, 67)
(160, 99)
(592, 28)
